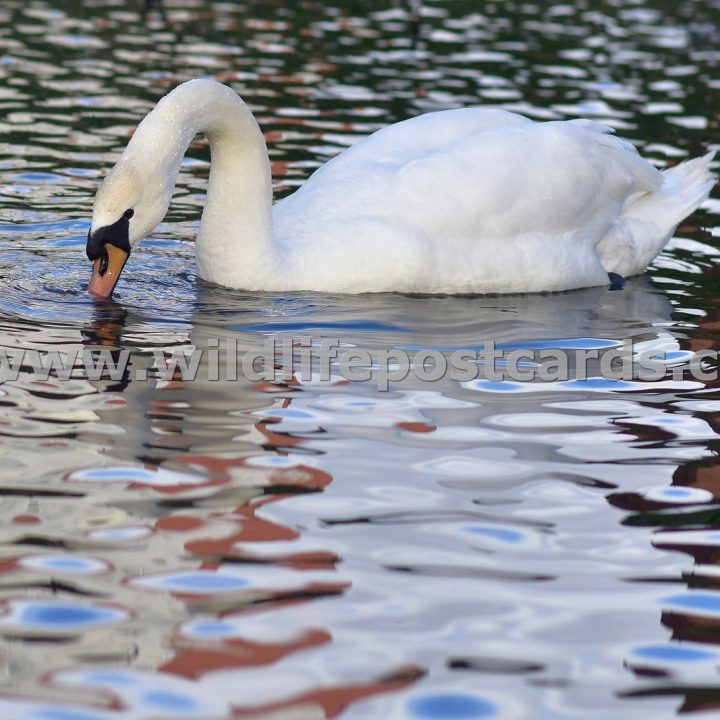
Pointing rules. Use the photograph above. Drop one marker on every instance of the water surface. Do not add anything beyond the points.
(305, 549)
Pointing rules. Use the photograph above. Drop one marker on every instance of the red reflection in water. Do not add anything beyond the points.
(334, 701)
(195, 661)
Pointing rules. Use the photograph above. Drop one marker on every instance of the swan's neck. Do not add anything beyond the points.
(235, 240)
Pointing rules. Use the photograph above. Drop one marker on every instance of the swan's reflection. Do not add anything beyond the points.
(212, 414)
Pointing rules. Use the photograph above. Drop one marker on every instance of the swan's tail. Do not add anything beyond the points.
(649, 221)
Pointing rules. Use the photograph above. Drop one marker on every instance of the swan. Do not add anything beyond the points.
(474, 200)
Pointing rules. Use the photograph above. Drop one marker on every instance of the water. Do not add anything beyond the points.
(218, 549)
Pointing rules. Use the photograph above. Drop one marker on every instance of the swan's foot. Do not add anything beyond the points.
(617, 282)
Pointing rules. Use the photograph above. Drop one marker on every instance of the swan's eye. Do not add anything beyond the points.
(104, 261)
(128, 213)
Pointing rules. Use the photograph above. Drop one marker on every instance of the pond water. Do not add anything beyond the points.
(305, 549)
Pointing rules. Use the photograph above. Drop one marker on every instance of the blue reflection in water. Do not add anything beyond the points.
(112, 678)
(211, 628)
(46, 227)
(451, 706)
(291, 413)
(702, 601)
(566, 344)
(70, 564)
(362, 325)
(496, 386)
(496, 533)
(39, 177)
(677, 492)
(58, 616)
(677, 495)
(63, 615)
(170, 701)
(60, 714)
(66, 563)
(598, 383)
(562, 344)
(674, 653)
(159, 476)
(203, 580)
(275, 461)
(129, 474)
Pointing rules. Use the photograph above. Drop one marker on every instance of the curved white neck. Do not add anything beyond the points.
(235, 240)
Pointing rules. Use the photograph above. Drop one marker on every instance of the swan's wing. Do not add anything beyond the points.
(366, 171)
(477, 173)
(557, 180)
(466, 195)
(420, 136)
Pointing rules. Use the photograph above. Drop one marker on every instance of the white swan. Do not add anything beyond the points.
(461, 201)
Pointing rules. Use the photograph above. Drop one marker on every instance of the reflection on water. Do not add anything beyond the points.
(306, 549)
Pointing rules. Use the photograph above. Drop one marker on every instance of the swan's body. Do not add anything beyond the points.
(461, 201)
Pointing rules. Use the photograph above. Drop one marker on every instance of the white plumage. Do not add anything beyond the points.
(462, 201)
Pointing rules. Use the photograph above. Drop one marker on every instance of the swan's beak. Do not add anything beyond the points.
(106, 271)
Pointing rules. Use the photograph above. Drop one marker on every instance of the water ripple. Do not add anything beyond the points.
(303, 548)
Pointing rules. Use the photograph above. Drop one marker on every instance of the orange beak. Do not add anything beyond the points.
(106, 271)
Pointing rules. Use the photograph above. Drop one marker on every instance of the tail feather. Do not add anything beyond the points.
(685, 186)
(649, 219)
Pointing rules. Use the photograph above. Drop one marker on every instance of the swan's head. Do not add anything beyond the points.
(128, 207)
